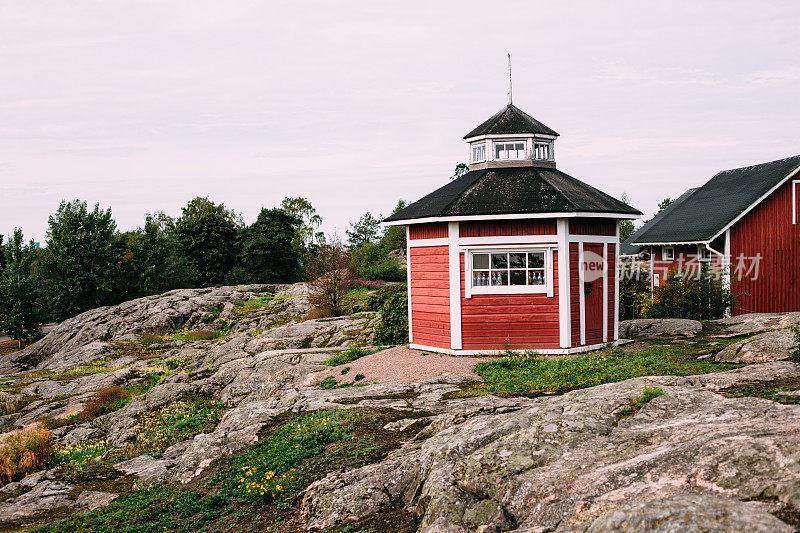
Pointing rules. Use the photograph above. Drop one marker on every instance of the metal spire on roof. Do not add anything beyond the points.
(509, 79)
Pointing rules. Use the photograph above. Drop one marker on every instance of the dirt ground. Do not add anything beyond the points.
(401, 364)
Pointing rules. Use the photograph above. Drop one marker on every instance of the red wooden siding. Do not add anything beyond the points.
(768, 230)
(519, 321)
(433, 230)
(685, 257)
(574, 287)
(430, 296)
(593, 226)
(611, 258)
(507, 228)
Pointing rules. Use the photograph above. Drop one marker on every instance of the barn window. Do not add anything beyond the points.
(703, 253)
(669, 253)
(501, 271)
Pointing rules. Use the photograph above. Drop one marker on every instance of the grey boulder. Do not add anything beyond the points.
(761, 348)
(658, 327)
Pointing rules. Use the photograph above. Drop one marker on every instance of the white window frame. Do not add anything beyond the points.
(701, 250)
(795, 217)
(477, 146)
(664, 253)
(510, 141)
(546, 288)
(548, 145)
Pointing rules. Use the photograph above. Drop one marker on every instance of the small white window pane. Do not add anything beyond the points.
(499, 260)
(480, 261)
(536, 277)
(517, 277)
(517, 260)
(480, 278)
(499, 278)
(536, 260)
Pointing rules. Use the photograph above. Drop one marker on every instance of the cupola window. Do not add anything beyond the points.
(509, 150)
(543, 151)
(478, 153)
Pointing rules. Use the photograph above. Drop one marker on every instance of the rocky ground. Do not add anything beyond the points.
(156, 399)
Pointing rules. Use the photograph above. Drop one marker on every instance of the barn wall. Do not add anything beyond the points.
(519, 321)
(768, 230)
(690, 262)
(430, 296)
(433, 230)
(507, 228)
(593, 226)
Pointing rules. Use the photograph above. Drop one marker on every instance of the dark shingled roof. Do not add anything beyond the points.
(510, 119)
(628, 248)
(512, 190)
(706, 212)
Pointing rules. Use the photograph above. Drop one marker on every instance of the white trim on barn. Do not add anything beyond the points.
(605, 292)
(544, 351)
(616, 286)
(408, 282)
(581, 295)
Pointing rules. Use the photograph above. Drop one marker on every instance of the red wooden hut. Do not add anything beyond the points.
(515, 253)
(745, 224)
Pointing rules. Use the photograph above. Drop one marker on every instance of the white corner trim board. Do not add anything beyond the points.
(408, 284)
(616, 286)
(605, 292)
(454, 264)
(564, 323)
(581, 295)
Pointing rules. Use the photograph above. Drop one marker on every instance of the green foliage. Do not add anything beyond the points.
(460, 170)
(760, 390)
(532, 373)
(371, 261)
(80, 266)
(648, 393)
(698, 296)
(392, 303)
(795, 356)
(20, 314)
(365, 231)
(269, 251)
(328, 383)
(634, 295)
(347, 356)
(625, 226)
(395, 236)
(80, 452)
(208, 242)
(359, 377)
(307, 234)
(331, 278)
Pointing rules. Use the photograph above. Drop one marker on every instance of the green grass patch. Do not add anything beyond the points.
(648, 393)
(761, 391)
(531, 373)
(241, 492)
(348, 356)
(80, 452)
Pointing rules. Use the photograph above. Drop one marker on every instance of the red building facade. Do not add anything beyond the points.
(749, 235)
(515, 254)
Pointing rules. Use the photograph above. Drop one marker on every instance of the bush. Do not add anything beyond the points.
(372, 262)
(392, 303)
(695, 295)
(351, 354)
(330, 278)
(634, 296)
(24, 453)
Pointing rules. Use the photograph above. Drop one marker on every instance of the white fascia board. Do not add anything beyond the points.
(503, 136)
(754, 204)
(675, 243)
(511, 216)
(416, 243)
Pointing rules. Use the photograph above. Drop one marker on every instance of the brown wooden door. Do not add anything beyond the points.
(593, 292)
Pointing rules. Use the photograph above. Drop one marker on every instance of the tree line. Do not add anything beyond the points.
(87, 262)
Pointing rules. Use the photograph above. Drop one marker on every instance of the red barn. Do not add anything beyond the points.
(743, 222)
(514, 253)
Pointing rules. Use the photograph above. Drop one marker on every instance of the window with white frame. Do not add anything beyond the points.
(543, 151)
(500, 271)
(704, 253)
(509, 150)
(478, 153)
(668, 253)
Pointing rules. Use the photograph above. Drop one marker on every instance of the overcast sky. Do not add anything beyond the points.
(140, 106)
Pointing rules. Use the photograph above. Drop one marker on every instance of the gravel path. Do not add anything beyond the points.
(404, 365)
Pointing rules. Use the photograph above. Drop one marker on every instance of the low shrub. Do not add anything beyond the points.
(648, 393)
(696, 295)
(104, 401)
(24, 453)
(328, 383)
(10, 403)
(393, 327)
(148, 338)
(80, 452)
(196, 335)
(347, 356)
(359, 377)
